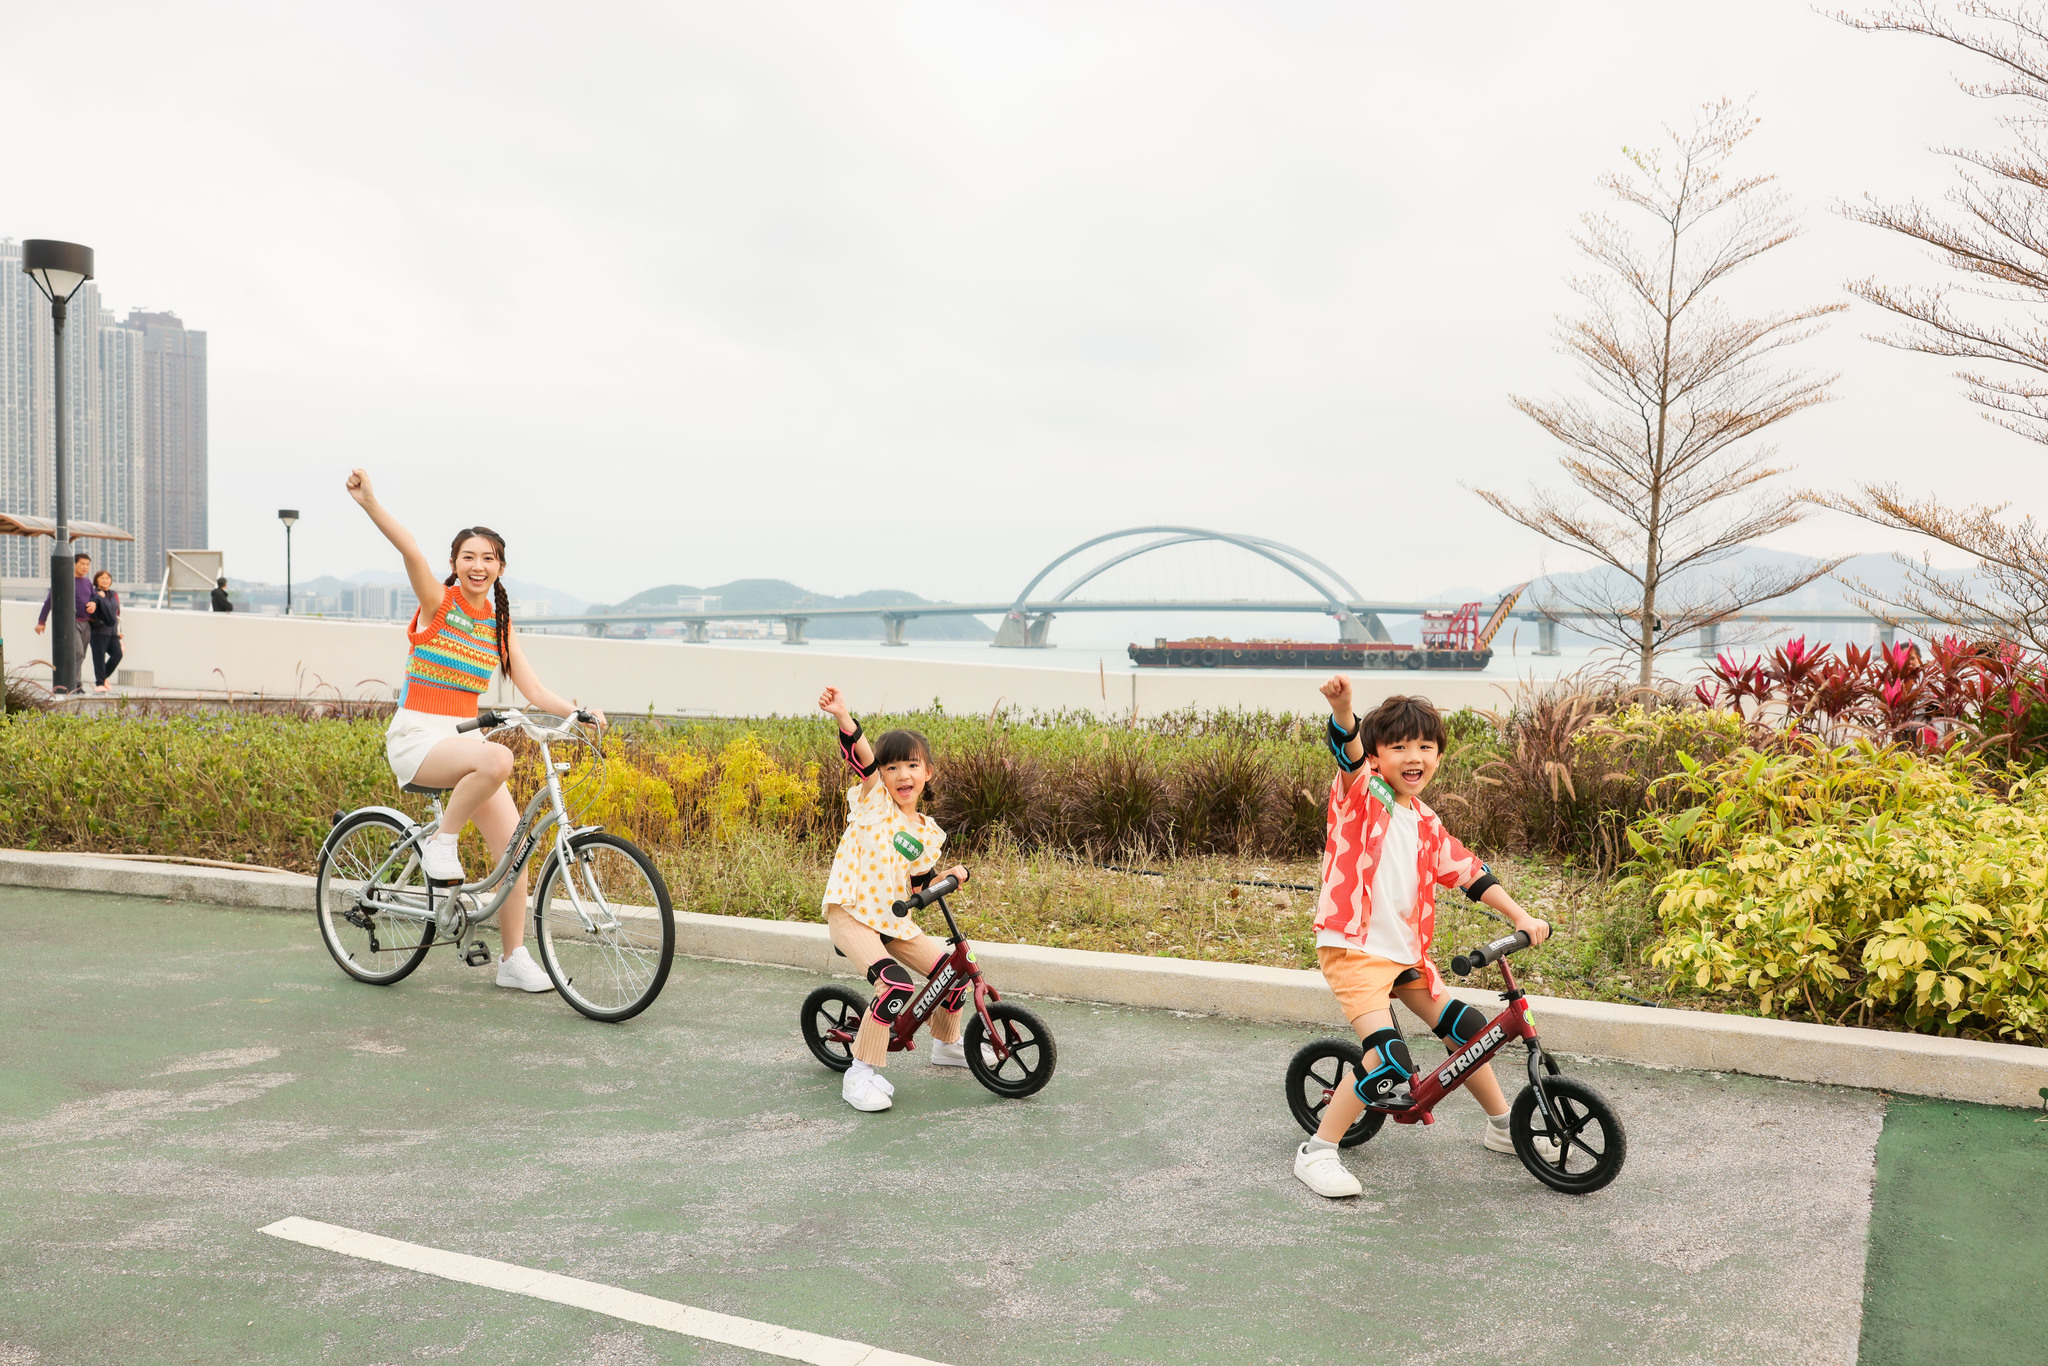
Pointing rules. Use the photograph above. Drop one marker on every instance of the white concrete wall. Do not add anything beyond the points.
(244, 652)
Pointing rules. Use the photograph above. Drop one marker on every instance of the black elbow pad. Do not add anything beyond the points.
(1479, 889)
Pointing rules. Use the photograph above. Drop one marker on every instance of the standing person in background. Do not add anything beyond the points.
(462, 634)
(81, 588)
(106, 629)
(220, 596)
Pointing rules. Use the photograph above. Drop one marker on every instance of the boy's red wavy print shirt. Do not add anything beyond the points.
(1355, 831)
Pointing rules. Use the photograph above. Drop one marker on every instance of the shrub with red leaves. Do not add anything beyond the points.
(1986, 694)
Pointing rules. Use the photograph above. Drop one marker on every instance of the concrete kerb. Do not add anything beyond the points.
(1915, 1064)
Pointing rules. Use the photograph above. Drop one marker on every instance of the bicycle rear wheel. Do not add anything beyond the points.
(358, 881)
(610, 958)
(1314, 1076)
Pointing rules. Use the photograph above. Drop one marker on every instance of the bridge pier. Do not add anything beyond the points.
(793, 630)
(1021, 631)
(1361, 628)
(699, 631)
(1546, 637)
(1710, 640)
(892, 628)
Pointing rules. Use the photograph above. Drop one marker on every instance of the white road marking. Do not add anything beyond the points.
(792, 1344)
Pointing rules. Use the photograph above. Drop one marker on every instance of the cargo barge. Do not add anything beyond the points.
(1450, 640)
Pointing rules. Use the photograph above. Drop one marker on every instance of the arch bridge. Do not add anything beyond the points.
(1027, 622)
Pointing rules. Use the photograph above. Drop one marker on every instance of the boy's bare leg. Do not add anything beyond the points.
(863, 948)
(921, 955)
(1345, 1107)
(1483, 1085)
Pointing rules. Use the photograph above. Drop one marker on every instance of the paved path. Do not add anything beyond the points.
(181, 1076)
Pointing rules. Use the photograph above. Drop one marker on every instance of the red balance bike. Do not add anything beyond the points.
(1009, 1049)
(1581, 1127)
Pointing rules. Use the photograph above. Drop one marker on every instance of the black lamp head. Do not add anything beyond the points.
(58, 268)
(287, 515)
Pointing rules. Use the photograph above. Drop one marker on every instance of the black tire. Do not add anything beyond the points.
(1313, 1077)
(827, 1009)
(1033, 1054)
(1598, 1145)
(614, 971)
(1414, 659)
(370, 947)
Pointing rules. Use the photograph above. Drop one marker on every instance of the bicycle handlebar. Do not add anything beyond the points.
(491, 720)
(917, 901)
(1474, 959)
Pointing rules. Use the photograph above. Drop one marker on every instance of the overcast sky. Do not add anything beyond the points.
(918, 294)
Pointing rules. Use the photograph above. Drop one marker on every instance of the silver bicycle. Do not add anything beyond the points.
(604, 926)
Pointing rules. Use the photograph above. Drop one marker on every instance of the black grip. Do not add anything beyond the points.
(917, 901)
(481, 721)
(585, 717)
(1474, 959)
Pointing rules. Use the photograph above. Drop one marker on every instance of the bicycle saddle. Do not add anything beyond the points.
(424, 790)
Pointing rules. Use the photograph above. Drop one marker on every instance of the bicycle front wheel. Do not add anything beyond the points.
(610, 955)
(365, 898)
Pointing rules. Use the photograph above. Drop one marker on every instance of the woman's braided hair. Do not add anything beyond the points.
(498, 594)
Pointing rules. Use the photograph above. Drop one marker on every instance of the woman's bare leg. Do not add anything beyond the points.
(496, 821)
(471, 769)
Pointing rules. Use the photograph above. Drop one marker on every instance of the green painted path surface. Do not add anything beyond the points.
(179, 1076)
(1958, 1265)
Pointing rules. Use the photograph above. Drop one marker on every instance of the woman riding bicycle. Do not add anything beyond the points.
(461, 632)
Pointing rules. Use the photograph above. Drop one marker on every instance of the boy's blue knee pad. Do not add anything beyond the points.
(1383, 1080)
(1459, 1024)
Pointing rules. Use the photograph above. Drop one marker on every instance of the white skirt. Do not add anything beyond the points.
(412, 734)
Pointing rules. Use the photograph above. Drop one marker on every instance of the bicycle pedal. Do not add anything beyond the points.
(444, 883)
(476, 955)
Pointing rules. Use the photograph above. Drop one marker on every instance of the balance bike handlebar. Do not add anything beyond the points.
(1474, 959)
(917, 901)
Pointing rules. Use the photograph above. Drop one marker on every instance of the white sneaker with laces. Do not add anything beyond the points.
(952, 1054)
(863, 1089)
(518, 971)
(1324, 1174)
(439, 861)
(1499, 1140)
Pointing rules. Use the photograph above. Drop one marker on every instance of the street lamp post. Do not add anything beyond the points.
(287, 516)
(59, 269)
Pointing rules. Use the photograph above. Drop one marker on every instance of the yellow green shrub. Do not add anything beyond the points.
(1856, 881)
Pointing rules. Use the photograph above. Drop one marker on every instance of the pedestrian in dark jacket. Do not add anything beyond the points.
(81, 588)
(220, 596)
(106, 630)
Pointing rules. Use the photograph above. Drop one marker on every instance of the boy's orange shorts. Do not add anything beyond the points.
(1361, 981)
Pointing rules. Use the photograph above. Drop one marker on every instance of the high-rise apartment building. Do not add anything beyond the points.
(174, 435)
(135, 395)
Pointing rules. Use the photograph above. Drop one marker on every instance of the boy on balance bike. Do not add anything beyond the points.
(1385, 853)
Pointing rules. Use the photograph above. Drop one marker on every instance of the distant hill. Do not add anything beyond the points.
(780, 595)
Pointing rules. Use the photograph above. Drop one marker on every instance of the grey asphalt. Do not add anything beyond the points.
(179, 1076)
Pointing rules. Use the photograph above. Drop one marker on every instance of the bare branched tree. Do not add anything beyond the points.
(2006, 596)
(1994, 235)
(1665, 484)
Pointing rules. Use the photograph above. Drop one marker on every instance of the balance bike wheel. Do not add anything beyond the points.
(1314, 1075)
(827, 1009)
(1597, 1146)
(1033, 1055)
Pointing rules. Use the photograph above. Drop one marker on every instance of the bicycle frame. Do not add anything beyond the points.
(1512, 1023)
(534, 823)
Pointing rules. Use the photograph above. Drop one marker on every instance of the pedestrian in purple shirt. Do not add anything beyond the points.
(81, 585)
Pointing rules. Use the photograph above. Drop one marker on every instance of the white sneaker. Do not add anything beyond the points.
(1324, 1174)
(1498, 1140)
(864, 1089)
(518, 971)
(952, 1054)
(439, 861)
